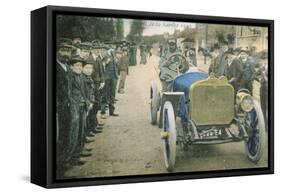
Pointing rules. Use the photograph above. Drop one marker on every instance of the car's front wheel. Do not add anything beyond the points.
(254, 145)
(169, 136)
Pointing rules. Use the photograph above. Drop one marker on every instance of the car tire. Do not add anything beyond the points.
(154, 102)
(254, 145)
(170, 139)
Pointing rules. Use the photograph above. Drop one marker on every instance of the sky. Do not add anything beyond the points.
(153, 27)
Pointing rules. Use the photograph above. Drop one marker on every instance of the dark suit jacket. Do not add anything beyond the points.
(235, 72)
(248, 72)
(62, 86)
(89, 88)
(111, 71)
(123, 63)
(98, 74)
(77, 89)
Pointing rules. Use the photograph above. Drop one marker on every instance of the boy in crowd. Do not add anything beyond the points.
(78, 107)
(88, 71)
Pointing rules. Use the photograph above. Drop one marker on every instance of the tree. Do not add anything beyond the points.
(189, 34)
(85, 27)
(119, 29)
(136, 30)
(150, 40)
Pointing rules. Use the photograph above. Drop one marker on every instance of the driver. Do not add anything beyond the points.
(168, 69)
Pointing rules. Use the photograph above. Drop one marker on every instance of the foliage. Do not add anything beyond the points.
(119, 29)
(136, 30)
(150, 40)
(86, 28)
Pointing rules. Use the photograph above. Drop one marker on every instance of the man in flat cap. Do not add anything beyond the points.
(85, 50)
(242, 72)
(132, 54)
(229, 57)
(76, 42)
(99, 81)
(111, 77)
(248, 74)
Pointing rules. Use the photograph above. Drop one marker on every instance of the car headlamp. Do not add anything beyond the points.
(245, 101)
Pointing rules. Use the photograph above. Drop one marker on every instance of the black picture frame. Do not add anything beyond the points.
(43, 96)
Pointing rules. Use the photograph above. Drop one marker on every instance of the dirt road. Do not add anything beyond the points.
(130, 145)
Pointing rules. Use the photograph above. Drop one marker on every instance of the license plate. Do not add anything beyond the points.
(210, 133)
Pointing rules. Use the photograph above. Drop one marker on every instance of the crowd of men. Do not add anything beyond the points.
(87, 74)
(241, 67)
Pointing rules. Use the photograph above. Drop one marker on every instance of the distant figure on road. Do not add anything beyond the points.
(160, 50)
(143, 53)
(123, 69)
(149, 47)
(190, 53)
(132, 52)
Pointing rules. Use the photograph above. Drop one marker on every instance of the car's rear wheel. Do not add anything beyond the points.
(169, 136)
(154, 102)
(254, 145)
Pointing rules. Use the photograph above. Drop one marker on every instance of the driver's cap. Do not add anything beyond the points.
(172, 41)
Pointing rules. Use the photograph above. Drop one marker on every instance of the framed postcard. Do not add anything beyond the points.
(125, 96)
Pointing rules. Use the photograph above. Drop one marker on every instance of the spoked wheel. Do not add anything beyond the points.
(254, 145)
(154, 102)
(169, 136)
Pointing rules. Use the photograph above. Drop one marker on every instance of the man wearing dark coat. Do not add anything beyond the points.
(143, 54)
(99, 82)
(235, 72)
(132, 54)
(92, 92)
(264, 96)
(62, 102)
(219, 65)
(241, 73)
(111, 77)
(248, 74)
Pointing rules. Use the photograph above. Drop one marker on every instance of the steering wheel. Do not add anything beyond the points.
(178, 62)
